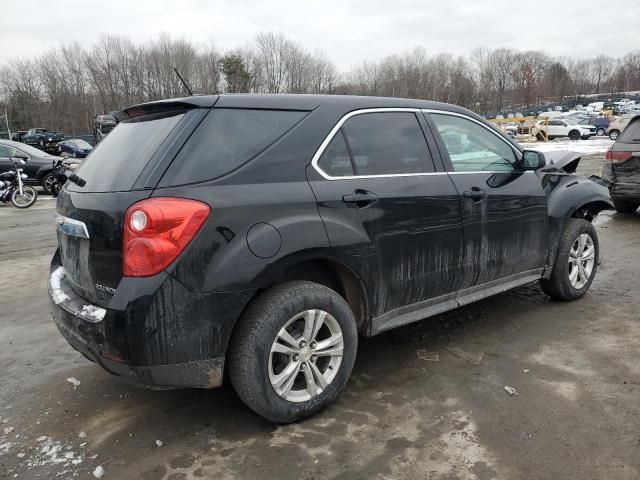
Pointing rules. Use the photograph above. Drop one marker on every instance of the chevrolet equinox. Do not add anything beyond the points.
(256, 236)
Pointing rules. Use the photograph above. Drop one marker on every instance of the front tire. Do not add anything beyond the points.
(574, 135)
(576, 261)
(601, 132)
(28, 197)
(293, 350)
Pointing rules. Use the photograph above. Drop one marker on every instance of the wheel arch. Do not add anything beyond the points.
(324, 270)
(589, 210)
(575, 196)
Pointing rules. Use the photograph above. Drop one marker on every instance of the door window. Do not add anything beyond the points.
(6, 151)
(387, 143)
(335, 161)
(473, 148)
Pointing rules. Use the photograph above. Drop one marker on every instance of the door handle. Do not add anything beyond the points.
(476, 194)
(362, 198)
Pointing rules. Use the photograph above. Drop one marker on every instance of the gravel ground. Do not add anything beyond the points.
(425, 401)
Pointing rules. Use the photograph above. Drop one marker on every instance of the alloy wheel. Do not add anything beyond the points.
(305, 355)
(48, 182)
(582, 257)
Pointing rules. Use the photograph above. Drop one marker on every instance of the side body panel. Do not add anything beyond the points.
(407, 247)
(505, 229)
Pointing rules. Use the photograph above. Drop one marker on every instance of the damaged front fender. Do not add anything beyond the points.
(561, 162)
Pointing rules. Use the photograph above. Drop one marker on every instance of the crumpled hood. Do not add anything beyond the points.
(561, 161)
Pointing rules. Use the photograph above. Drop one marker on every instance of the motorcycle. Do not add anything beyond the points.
(13, 189)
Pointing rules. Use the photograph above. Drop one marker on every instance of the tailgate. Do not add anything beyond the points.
(89, 229)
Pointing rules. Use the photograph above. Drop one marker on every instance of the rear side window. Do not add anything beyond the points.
(631, 134)
(387, 143)
(226, 139)
(118, 160)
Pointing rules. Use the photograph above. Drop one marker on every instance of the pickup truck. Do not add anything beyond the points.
(42, 138)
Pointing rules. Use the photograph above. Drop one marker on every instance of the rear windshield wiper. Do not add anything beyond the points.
(81, 182)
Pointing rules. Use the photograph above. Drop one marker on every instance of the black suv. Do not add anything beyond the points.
(260, 234)
(622, 168)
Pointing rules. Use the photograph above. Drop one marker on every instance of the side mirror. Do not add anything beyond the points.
(533, 160)
(21, 159)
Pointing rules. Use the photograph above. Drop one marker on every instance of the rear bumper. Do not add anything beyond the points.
(159, 348)
(625, 191)
(198, 374)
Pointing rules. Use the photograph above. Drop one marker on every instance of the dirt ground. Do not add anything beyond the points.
(414, 408)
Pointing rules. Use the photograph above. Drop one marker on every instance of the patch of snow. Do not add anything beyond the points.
(21, 455)
(74, 381)
(55, 285)
(8, 430)
(4, 448)
(93, 313)
(591, 146)
(82, 435)
(53, 452)
(99, 472)
(159, 443)
(511, 391)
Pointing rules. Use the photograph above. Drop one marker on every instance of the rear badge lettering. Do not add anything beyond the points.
(106, 289)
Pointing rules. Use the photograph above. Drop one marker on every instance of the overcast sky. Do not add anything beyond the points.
(347, 31)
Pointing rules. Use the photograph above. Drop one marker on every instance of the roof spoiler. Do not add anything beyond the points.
(186, 103)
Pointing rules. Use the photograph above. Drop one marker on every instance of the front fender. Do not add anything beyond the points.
(566, 194)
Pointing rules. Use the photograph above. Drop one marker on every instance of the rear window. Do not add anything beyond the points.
(118, 160)
(226, 139)
(631, 134)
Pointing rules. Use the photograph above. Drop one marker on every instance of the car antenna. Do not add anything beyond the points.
(183, 82)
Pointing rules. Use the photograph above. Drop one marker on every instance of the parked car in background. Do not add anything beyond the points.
(17, 136)
(622, 168)
(102, 125)
(39, 164)
(260, 234)
(617, 126)
(42, 138)
(556, 128)
(601, 124)
(76, 148)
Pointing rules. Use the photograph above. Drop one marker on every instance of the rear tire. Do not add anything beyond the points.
(613, 135)
(47, 182)
(601, 132)
(271, 340)
(575, 263)
(623, 206)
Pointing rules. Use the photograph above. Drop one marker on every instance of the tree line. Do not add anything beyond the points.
(65, 87)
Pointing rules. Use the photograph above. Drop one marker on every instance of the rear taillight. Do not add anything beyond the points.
(156, 231)
(617, 157)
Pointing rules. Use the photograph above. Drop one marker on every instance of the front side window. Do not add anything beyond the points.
(387, 143)
(473, 148)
